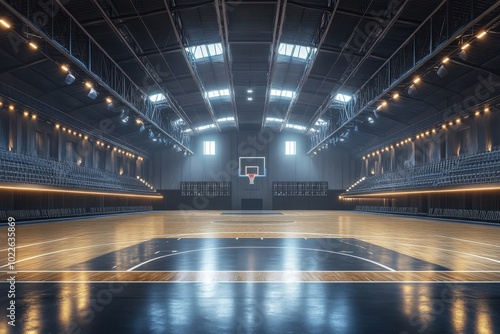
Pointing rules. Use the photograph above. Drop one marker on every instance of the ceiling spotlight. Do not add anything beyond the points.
(70, 78)
(370, 120)
(124, 117)
(65, 68)
(465, 46)
(445, 60)
(249, 91)
(249, 98)
(412, 90)
(92, 94)
(441, 71)
(88, 84)
(481, 34)
(5, 24)
(463, 55)
(33, 45)
(395, 96)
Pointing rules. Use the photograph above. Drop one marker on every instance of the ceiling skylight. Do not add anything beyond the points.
(205, 127)
(282, 93)
(296, 51)
(274, 120)
(225, 119)
(343, 98)
(157, 98)
(296, 127)
(205, 51)
(217, 93)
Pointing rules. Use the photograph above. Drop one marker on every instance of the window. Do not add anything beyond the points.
(290, 148)
(282, 93)
(296, 51)
(157, 98)
(208, 148)
(205, 51)
(217, 93)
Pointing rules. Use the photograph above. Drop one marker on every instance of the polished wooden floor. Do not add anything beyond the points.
(298, 272)
(48, 251)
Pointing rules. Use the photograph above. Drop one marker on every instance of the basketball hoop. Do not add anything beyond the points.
(251, 177)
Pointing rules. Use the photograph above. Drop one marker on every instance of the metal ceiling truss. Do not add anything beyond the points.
(322, 31)
(129, 41)
(61, 30)
(50, 113)
(222, 20)
(442, 27)
(372, 40)
(176, 22)
(279, 22)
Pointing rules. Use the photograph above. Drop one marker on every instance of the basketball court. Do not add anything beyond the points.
(245, 272)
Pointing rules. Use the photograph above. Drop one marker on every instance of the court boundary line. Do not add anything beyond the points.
(267, 282)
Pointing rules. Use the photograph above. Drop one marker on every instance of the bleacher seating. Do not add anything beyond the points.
(25, 169)
(69, 212)
(386, 209)
(473, 169)
(482, 215)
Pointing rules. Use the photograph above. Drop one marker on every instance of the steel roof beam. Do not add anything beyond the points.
(322, 32)
(175, 21)
(222, 20)
(279, 22)
(383, 80)
(92, 60)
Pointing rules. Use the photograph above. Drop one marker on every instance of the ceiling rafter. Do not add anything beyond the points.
(175, 21)
(144, 63)
(222, 20)
(371, 92)
(322, 32)
(279, 22)
(356, 63)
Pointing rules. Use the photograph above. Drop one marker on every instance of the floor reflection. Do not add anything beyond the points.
(258, 308)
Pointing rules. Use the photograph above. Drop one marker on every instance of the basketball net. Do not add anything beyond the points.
(251, 177)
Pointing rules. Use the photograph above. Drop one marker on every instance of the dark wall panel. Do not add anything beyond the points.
(332, 165)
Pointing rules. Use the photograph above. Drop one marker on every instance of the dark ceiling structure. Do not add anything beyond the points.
(354, 73)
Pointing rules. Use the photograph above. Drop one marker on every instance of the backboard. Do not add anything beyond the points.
(252, 165)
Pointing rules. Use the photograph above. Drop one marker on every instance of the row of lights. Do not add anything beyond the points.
(424, 134)
(355, 183)
(69, 131)
(441, 71)
(145, 183)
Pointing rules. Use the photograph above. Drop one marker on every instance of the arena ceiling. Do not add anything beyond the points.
(189, 66)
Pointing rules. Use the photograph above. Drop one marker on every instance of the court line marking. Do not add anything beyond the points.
(38, 243)
(471, 241)
(299, 248)
(255, 271)
(266, 282)
(66, 250)
(452, 251)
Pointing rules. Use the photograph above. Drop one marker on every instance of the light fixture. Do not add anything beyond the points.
(465, 46)
(249, 91)
(412, 90)
(33, 45)
(249, 98)
(70, 78)
(124, 117)
(88, 84)
(65, 68)
(395, 96)
(481, 34)
(441, 71)
(57, 126)
(25, 114)
(5, 24)
(370, 120)
(416, 80)
(33, 116)
(11, 107)
(463, 55)
(445, 60)
(92, 94)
